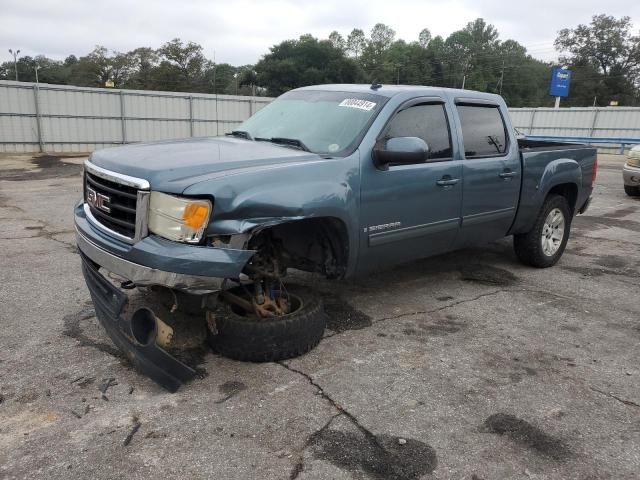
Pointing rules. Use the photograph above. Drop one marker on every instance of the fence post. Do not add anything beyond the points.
(217, 118)
(122, 118)
(533, 116)
(190, 115)
(594, 122)
(38, 124)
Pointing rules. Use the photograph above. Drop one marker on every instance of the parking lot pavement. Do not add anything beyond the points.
(463, 366)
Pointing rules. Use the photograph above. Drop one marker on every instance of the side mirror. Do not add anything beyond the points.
(400, 150)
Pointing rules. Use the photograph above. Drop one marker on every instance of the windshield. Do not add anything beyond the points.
(328, 123)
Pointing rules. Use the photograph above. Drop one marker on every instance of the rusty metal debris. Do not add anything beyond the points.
(264, 301)
(132, 432)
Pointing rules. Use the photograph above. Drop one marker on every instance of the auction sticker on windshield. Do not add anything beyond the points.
(356, 103)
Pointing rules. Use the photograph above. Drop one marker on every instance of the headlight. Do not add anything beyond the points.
(633, 158)
(177, 218)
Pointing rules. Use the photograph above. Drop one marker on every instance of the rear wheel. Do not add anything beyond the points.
(544, 244)
(632, 191)
(237, 332)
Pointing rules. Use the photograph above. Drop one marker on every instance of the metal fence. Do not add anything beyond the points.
(61, 118)
(591, 122)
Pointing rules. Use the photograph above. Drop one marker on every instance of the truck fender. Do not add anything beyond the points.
(562, 171)
(248, 212)
(268, 205)
(559, 172)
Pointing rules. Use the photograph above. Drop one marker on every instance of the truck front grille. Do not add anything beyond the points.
(114, 205)
(114, 202)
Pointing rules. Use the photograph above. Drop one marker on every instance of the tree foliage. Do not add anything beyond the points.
(356, 41)
(306, 61)
(606, 51)
(604, 57)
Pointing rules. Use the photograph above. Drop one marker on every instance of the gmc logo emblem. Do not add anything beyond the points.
(97, 200)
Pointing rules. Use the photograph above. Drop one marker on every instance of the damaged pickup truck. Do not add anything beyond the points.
(338, 180)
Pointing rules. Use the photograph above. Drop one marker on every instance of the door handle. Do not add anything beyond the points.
(447, 181)
(507, 174)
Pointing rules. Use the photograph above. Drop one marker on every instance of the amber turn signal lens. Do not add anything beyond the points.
(195, 215)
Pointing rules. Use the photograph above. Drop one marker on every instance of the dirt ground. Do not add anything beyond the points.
(463, 366)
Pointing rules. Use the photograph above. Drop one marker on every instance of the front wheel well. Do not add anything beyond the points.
(318, 245)
(568, 191)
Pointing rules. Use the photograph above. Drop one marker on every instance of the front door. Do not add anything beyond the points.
(412, 211)
(492, 173)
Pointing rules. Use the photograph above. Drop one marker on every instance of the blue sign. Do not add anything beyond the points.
(560, 82)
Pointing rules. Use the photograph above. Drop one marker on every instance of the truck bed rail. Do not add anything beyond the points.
(622, 141)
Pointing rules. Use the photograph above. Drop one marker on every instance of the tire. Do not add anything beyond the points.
(531, 248)
(269, 340)
(632, 191)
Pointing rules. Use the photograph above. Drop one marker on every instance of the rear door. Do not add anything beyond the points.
(412, 211)
(491, 173)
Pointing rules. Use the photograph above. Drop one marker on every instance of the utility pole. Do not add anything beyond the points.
(398, 75)
(215, 68)
(214, 71)
(15, 61)
(501, 77)
(464, 78)
(36, 68)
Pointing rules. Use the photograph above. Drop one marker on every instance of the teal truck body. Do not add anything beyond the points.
(346, 178)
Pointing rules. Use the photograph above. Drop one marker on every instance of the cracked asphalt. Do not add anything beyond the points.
(464, 366)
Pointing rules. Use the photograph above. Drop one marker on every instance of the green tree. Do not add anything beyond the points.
(424, 38)
(375, 60)
(356, 42)
(608, 45)
(182, 66)
(144, 61)
(467, 52)
(49, 71)
(337, 41)
(306, 61)
(220, 78)
(521, 79)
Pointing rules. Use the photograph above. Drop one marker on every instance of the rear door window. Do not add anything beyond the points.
(483, 131)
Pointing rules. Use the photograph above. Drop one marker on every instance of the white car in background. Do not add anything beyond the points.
(631, 172)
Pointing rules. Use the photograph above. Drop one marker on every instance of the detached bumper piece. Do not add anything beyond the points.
(147, 357)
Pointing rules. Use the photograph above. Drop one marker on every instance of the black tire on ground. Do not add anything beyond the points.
(528, 246)
(632, 191)
(269, 340)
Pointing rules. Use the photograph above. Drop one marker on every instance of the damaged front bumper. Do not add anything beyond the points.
(149, 358)
(150, 261)
(157, 261)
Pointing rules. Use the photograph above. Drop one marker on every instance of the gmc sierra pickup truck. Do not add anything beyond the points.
(338, 180)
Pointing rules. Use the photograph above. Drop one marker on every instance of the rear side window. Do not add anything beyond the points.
(483, 131)
(428, 122)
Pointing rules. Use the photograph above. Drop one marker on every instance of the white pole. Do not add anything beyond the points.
(557, 105)
(464, 78)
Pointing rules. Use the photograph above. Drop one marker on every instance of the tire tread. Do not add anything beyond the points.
(528, 247)
(270, 340)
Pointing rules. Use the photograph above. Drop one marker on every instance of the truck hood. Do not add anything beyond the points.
(172, 166)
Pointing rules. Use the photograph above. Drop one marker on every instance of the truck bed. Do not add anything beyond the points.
(543, 161)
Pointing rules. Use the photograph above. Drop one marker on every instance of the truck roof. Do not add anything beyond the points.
(390, 90)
